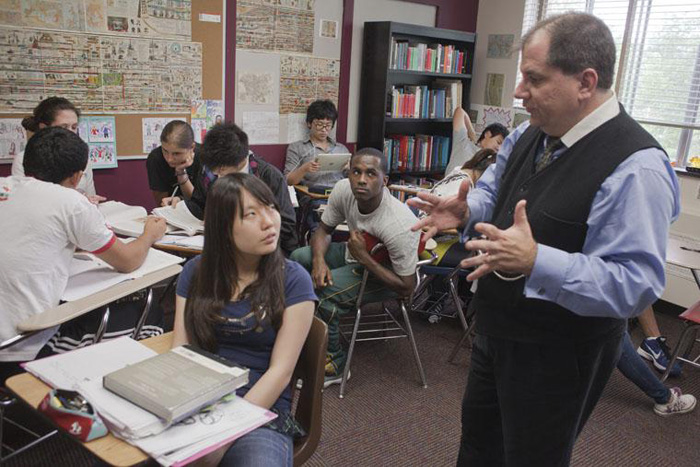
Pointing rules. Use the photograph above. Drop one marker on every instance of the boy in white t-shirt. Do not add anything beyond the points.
(43, 220)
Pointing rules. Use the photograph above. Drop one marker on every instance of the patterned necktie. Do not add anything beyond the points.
(552, 145)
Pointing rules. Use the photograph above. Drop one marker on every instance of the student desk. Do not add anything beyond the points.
(681, 253)
(74, 309)
(110, 449)
(182, 251)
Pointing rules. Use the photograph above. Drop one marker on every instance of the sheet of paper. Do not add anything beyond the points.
(151, 128)
(261, 127)
(69, 369)
(13, 138)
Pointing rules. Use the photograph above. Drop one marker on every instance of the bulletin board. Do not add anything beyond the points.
(130, 59)
(287, 56)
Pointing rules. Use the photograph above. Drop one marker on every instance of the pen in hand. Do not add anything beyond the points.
(172, 197)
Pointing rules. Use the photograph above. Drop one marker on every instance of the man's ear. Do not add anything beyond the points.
(386, 180)
(73, 180)
(588, 83)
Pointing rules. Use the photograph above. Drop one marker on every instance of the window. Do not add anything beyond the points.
(658, 69)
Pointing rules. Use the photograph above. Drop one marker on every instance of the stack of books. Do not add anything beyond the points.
(438, 101)
(436, 58)
(419, 153)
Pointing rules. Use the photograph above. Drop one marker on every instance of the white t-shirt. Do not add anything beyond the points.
(391, 223)
(41, 223)
(85, 185)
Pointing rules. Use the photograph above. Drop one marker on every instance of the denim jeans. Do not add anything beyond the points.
(636, 370)
(261, 447)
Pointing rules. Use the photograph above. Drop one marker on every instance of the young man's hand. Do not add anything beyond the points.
(155, 228)
(357, 246)
(321, 275)
(311, 166)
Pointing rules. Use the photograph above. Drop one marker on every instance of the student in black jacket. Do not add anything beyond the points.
(225, 151)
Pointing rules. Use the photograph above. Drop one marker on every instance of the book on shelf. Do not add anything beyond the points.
(437, 101)
(436, 57)
(177, 383)
(417, 153)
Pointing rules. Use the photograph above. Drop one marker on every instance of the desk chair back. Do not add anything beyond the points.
(311, 370)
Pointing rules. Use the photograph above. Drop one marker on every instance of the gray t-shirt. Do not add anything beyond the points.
(462, 150)
(301, 152)
(391, 223)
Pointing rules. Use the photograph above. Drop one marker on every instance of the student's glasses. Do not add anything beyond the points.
(323, 125)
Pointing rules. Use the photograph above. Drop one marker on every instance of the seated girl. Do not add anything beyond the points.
(243, 300)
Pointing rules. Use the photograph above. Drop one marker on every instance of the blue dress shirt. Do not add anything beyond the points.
(620, 270)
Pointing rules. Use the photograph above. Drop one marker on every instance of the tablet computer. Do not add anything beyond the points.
(333, 162)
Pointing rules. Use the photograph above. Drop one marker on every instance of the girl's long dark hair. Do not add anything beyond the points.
(216, 276)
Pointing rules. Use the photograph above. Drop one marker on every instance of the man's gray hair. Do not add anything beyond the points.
(578, 41)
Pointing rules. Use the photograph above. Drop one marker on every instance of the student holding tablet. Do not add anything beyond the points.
(243, 300)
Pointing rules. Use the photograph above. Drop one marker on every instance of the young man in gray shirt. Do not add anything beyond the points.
(337, 268)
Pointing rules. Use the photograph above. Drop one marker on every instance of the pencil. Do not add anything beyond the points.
(173, 195)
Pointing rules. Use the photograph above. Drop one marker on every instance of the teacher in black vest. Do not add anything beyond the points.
(571, 226)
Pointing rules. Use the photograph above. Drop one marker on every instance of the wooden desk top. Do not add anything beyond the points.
(108, 448)
(76, 308)
(178, 250)
(304, 190)
(676, 254)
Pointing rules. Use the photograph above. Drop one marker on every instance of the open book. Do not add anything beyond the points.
(181, 217)
(89, 274)
(130, 220)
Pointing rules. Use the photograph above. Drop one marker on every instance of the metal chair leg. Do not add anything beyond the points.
(679, 346)
(144, 314)
(351, 349)
(409, 331)
(103, 326)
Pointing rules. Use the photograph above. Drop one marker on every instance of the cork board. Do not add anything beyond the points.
(211, 36)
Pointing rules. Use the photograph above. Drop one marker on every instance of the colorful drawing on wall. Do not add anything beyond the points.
(496, 115)
(100, 135)
(500, 46)
(151, 128)
(129, 74)
(286, 25)
(205, 114)
(103, 155)
(493, 95)
(101, 129)
(13, 138)
(305, 79)
(328, 29)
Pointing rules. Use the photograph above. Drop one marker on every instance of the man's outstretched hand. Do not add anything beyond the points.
(444, 213)
(513, 250)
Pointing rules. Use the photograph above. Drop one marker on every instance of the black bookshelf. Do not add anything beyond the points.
(377, 79)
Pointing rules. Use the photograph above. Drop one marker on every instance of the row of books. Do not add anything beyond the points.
(436, 58)
(412, 183)
(437, 101)
(417, 153)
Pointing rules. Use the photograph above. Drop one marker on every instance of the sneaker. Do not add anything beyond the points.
(656, 351)
(677, 403)
(330, 380)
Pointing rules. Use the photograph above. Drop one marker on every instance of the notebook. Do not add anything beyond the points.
(181, 217)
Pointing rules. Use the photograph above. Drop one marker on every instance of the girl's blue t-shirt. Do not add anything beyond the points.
(240, 341)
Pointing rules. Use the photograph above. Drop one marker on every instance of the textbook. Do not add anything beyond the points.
(180, 217)
(178, 383)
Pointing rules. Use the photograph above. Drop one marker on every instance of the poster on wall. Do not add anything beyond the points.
(500, 46)
(205, 114)
(493, 94)
(151, 128)
(13, 138)
(100, 135)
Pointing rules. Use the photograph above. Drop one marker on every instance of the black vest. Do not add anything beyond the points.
(559, 200)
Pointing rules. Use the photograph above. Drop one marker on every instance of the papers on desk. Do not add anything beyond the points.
(89, 274)
(196, 242)
(82, 370)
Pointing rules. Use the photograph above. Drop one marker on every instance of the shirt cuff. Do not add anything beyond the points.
(548, 273)
(476, 214)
